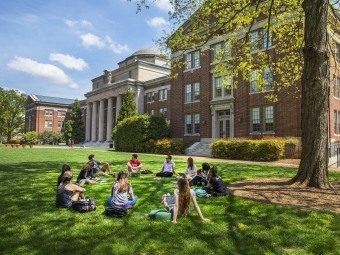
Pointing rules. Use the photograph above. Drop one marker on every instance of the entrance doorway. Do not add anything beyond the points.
(223, 120)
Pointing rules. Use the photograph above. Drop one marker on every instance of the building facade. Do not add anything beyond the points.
(47, 113)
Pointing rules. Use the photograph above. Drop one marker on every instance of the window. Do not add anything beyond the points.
(256, 83)
(61, 113)
(338, 123)
(192, 123)
(196, 123)
(192, 60)
(221, 51)
(268, 118)
(150, 97)
(336, 87)
(222, 86)
(61, 124)
(255, 119)
(335, 122)
(189, 96)
(163, 94)
(336, 51)
(48, 123)
(48, 112)
(188, 126)
(259, 39)
(163, 111)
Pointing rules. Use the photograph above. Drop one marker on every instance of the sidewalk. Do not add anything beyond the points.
(332, 163)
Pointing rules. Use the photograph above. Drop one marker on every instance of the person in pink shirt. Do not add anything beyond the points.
(134, 165)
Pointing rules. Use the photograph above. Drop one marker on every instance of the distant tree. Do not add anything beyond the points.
(12, 111)
(75, 128)
(129, 108)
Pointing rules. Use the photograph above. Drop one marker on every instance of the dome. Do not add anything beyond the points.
(147, 51)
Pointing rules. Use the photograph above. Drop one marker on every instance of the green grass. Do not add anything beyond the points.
(30, 223)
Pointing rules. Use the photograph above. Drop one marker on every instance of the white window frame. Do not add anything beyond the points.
(163, 94)
(150, 97)
(163, 111)
(218, 80)
(61, 113)
(48, 124)
(267, 76)
(197, 127)
(48, 112)
(268, 118)
(188, 124)
(192, 60)
(255, 119)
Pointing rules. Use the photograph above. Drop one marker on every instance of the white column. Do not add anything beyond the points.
(118, 106)
(109, 119)
(94, 122)
(136, 99)
(88, 122)
(101, 121)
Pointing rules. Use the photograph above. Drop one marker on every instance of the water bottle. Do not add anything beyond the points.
(203, 185)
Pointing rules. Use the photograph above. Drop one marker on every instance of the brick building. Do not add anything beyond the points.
(47, 113)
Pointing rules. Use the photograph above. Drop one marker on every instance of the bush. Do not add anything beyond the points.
(138, 133)
(255, 150)
(30, 138)
(168, 146)
(51, 137)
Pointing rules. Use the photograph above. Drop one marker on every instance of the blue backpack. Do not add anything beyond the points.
(200, 192)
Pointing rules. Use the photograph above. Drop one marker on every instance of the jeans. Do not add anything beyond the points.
(164, 174)
(130, 203)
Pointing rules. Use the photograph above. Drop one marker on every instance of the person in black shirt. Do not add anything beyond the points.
(216, 186)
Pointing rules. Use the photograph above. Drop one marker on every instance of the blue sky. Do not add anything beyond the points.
(55, 48)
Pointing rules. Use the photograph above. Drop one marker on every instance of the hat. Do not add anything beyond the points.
(205, 166)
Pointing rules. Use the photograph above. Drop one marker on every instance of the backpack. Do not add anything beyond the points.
(200, 192)
(84, 205)
(116, 212)
(160, 214)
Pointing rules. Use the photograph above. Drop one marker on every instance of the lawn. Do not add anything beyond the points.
(30, 223)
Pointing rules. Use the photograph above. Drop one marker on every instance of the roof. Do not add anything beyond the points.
(55, 100)
(147, 51)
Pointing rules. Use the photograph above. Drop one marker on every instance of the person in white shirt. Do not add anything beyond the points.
(168, 168)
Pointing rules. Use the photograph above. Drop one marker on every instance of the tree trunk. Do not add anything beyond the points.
(313, 169)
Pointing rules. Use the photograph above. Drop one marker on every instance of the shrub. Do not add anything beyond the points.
(257, 150)
(138, 133)
(290, 146)
(51, 137)
(30, 138)
(169, 146)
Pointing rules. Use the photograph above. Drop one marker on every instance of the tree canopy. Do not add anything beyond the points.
(12, 111)
(289, 42)
(129, 108)
(75, 128)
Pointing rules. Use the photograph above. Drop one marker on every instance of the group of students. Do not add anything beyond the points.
(122, 193)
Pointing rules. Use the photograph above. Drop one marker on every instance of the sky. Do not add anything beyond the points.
(55, 48)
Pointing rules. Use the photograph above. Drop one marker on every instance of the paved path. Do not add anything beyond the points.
(332, 161)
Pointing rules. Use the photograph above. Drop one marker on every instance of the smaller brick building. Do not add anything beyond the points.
(47, 113)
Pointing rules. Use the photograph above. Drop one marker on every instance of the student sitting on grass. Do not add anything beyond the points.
(191, 170)
(96, 170)
(202, 175)
(216, 186)
(64, 168)
(168, 168)
(68, 192)
(122, 193)
(183, 196)
(86, 175)
(134, 165)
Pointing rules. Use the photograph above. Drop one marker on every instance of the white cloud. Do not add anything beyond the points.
(69, 61)
(118, 48)
(108, 39)
(89, 40)
(163, 5)
(84, 23)
(157, 22)
(70, 23)
(49, 72)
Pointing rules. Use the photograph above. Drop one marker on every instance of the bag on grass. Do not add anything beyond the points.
(116, 212)
(160, 214)
(200, 192)
(84, 205)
